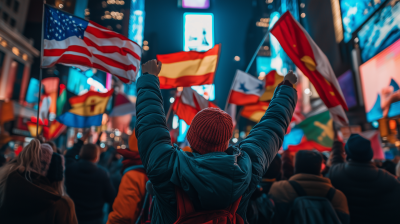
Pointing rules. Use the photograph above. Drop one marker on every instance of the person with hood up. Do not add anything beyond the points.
(32, 188)
(213, 176)
(373, 194)
(132, 190)
(307, 173)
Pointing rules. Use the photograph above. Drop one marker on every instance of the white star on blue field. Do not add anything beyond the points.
(59, 25)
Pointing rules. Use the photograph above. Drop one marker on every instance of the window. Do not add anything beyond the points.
(5, 16)
(12, 22)
(16, 6)
(8, 2)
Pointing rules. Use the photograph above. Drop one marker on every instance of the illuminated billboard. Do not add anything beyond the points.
(380, 81)
(380, 31)
(198, 31)
(354, 13)
(194, 4)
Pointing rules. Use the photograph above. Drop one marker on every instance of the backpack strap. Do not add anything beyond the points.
(185, 206)
(135, 167)
(330, 193)
(298, 188)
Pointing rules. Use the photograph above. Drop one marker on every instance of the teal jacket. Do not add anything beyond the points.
(214, 180)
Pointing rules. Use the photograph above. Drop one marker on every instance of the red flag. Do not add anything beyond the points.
(185, 69)
(55, 129)
(189, 103)
(272, 80)
(307, 56)
(374, 137)
(308, 145)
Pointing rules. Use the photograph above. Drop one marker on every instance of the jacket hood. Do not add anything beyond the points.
(31, 198)
(214, 180)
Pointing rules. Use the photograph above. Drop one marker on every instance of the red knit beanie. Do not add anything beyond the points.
(210, 131)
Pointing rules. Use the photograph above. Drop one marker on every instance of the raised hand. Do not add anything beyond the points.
(152, 67)
(291, 77)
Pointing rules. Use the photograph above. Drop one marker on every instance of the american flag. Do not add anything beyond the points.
(84, 44)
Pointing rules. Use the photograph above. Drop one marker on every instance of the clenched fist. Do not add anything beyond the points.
(152, 67)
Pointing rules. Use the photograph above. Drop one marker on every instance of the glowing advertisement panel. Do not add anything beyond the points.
(198, 31)
(195, 4)
(355, 12)
(380, 80)
(346, 83)
(382, 30)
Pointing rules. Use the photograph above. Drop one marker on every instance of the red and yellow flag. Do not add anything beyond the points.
(185, 69)
(309, 58)
(255, 112)
(272, 80)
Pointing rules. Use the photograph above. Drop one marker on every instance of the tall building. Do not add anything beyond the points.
(16, 51)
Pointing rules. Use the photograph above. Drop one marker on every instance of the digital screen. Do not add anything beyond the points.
(32, 94)
(382, 30)
(263, 64)
(355, 12)
(77, 82)
(207, 91)
(198, 31)
(380, 81)
(347, 85)
(194, 4)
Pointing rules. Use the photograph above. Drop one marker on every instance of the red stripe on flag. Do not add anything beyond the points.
(82, 98)
(184, 111)
(73, 59)
(111, 49)
(115, 63)
(186, 56)
(186, 81)
(59, 52)
(241, 99)
(102, 32)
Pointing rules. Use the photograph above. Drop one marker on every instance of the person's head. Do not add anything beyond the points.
(35, 158)
(90, 152)
(359, 149)
(275, 169)
(210, 131)
(53, 146)
(308, 162)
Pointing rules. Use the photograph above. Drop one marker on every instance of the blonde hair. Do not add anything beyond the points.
(27, 161)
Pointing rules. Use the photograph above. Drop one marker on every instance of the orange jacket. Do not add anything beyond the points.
(128, 203)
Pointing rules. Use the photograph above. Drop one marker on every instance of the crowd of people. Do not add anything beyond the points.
(154, 181)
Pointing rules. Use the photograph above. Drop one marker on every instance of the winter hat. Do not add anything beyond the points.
(210, 131)
(359, 149)
(46, 154)
(308, 162)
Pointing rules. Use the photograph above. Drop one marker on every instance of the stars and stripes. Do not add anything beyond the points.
(72, 41)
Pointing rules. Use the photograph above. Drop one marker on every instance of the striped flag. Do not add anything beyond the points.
(189, 103)
(73, 41)
(309, 58)
(246, 89)
(185, 69)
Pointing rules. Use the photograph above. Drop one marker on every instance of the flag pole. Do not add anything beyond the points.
(40, 73)
(255, 54)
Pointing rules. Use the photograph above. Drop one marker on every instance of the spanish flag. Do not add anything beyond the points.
(310, 59)
(86, 110)
(185, 69)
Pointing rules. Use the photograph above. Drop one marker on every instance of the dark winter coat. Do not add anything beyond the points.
(88, 185)
(373, 194)
(214, 180)
(35, 202)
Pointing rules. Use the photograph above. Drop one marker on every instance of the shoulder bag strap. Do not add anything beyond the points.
(297, 187)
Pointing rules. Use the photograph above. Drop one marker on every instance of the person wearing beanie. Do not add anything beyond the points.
(32, 188)
(132, 190)
(213, 175)
(88, 184)
(307, 173)
(373, 194)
